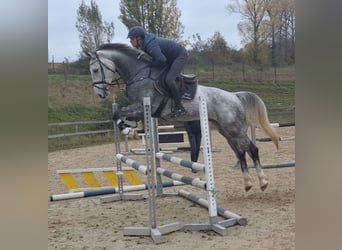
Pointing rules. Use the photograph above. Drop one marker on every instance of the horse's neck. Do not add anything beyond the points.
(127, 66)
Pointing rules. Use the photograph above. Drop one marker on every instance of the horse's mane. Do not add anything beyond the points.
(126, 49)
(117, 46)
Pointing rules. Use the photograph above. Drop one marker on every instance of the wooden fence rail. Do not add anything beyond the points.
(77, 124)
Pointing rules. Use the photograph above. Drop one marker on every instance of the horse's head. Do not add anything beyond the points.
(110, 58)
(102, 72)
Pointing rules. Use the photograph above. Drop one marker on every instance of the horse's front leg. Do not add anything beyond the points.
(133, 112)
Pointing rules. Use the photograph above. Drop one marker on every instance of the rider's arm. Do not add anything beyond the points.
(158, 58)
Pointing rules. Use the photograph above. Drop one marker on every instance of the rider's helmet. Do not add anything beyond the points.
(136, 31)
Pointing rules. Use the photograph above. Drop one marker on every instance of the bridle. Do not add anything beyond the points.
(103, 80)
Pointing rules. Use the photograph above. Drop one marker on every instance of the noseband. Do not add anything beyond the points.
(103, 80)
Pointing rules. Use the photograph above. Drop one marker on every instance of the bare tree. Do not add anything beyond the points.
(287, 30)
(267, 28)
(252, 27)
(92, 30)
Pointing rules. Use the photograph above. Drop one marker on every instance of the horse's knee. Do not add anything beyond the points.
(116, 115)
(242, 159)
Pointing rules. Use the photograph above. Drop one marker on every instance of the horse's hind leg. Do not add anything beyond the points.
(240, 153)
(253, 152)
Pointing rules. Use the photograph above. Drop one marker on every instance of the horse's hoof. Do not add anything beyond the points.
(264, 186)
(248, 188)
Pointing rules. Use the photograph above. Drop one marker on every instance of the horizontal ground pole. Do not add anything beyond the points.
(281, 165)
(267, 139)
(104, 191)
(204, 203)
(283, 124)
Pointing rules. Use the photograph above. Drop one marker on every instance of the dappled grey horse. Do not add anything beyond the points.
(232, 113)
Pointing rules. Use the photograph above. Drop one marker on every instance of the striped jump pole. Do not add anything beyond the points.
(137, 166)
(105, 191)
(143, 169)
(187, 180)
(184, 163)
(204, 203)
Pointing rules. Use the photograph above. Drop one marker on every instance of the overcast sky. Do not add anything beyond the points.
(204, 17)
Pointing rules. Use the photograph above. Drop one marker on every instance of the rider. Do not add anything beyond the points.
(163, 52)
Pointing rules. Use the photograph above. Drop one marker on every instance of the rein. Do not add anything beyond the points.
(103, 80)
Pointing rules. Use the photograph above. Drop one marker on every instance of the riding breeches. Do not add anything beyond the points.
(176, 68)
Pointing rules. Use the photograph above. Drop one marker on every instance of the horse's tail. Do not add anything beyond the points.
(256, 113)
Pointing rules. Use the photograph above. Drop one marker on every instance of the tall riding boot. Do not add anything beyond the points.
(179, 109)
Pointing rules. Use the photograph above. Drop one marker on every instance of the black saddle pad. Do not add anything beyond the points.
(186, 84)
(188, 90)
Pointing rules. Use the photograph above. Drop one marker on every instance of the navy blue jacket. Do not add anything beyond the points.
(163, 51)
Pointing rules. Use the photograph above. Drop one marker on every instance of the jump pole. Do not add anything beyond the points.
(108, 190)
(221, 211)
(143, 169)
(185, 163)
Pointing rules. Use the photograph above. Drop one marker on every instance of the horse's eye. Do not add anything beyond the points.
(95, 70)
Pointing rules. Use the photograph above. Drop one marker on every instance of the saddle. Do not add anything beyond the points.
(186, 85)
